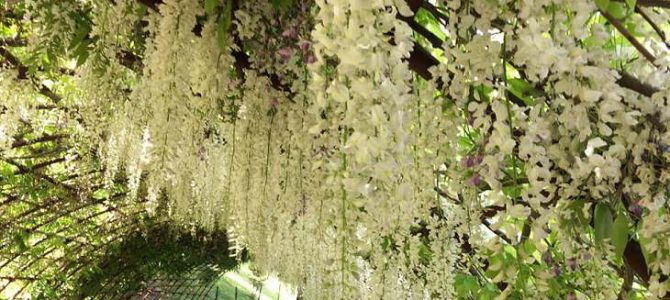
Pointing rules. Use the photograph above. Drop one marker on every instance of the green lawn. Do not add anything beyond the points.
(243, 280)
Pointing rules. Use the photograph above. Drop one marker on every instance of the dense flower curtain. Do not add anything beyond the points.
(382, 149)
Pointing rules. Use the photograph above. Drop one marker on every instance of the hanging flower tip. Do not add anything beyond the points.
(304, 46)
(290, 33)
(285, 54)
(310, 59)
(475, 180)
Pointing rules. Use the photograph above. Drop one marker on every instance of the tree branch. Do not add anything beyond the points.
(46, 138)
(640, 48)
(23, 74)
(634, 84)
(40, 166)
(13, 42)
(25, 170)
(654, 3)
(633, 257)
(653, 24)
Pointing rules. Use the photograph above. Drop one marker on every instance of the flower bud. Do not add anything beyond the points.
(310, 59)
(274, 103)
(304, 46)
(467, 162)
(636, 210)
(285, 54)
(475, 180)
(290, 33)
(547, 258)
(572, 263)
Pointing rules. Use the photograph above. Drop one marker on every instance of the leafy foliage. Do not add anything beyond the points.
(162, 252)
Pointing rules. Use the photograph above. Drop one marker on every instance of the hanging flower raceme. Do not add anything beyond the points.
(389, 149)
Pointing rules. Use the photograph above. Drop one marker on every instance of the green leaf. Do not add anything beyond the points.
(484, 92)
(509, 252)
(224, 25)
(50, 129)
(466, 285)
(82, 57)
(644, 245)
(6, 170)
(513, 191)
(282, 4)
(488, 292)
(20, 240)
(603, 222)
(100, 194)
(522, 90)
(520, 85)
(465, 143)
(387, 243)
(141, 10)
(602, 4)
(635, 295)
(522, 277)
(620, 235)
(430, 22)
(529, 247)
(578, 218)
(617, 10)
(631, 4)
(425, 253)
(210, 6)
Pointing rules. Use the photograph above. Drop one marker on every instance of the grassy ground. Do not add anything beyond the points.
(249, 287)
